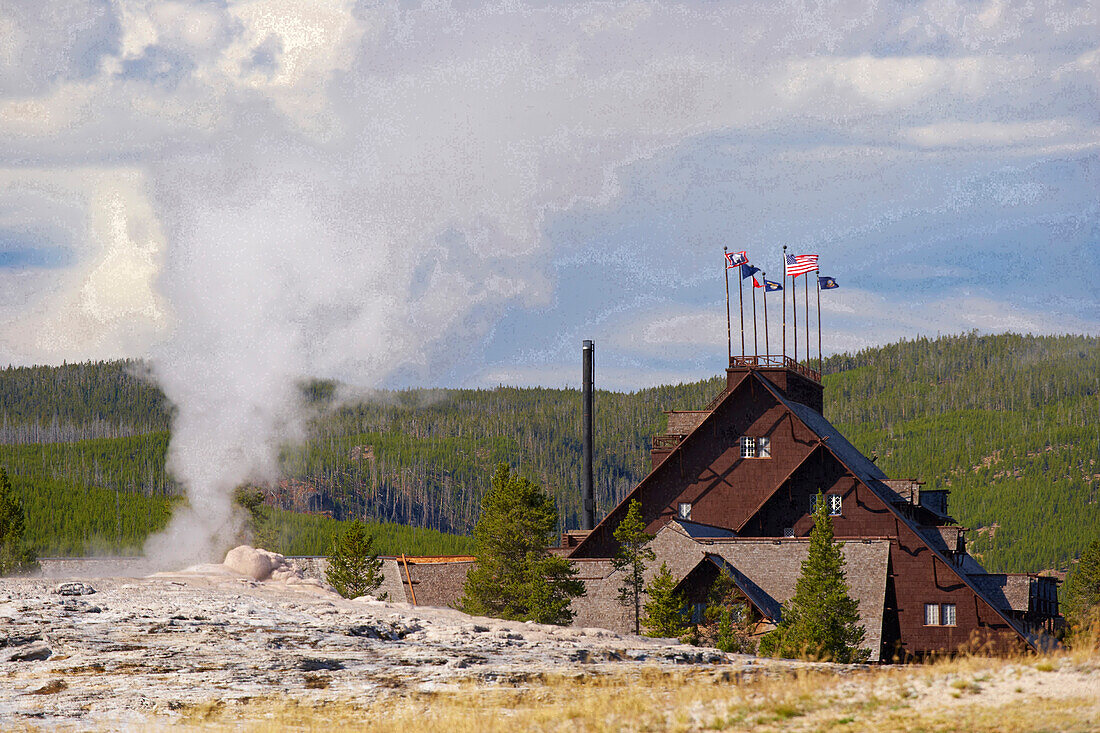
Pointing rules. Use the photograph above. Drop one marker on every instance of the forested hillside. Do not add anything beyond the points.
(1008, 423)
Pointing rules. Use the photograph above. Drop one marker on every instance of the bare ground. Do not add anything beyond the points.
(213, 649)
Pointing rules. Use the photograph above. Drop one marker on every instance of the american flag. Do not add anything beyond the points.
(800, 264)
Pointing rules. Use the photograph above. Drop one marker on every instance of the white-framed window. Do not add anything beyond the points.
(833, 502)
(684, 510)
(931, 614)
(755, 447)
(788, 531)
(947, 614)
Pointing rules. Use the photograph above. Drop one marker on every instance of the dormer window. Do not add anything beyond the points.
(755, 447)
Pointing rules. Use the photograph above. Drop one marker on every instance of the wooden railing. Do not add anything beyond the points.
(666, 441)
(774, 362)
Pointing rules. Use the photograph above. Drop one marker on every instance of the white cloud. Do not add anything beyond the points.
(998, 134)
(852, 319)
(360, 190)
(864, 319)
(104, 305)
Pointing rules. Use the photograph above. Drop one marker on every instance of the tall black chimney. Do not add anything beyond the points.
(588, 507)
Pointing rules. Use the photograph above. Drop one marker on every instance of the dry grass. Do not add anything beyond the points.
(974, 694)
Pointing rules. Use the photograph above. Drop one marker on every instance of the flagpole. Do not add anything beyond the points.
(764, 295)
(794, 316)
(784, 281)
(806, 283)
(755, 343)
(729, 336)
(820, 369)
(741, 306)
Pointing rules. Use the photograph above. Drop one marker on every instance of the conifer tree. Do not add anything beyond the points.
(664, 609)
(1081, 594)
(15, 555)
(631, 558)
(516, 577)
(727, 620)
(354, 569)
(821, 621)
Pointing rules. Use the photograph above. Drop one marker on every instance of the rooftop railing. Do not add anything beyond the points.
(666, 441)
(774, 362)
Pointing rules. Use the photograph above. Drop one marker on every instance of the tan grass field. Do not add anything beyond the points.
(1059, 692)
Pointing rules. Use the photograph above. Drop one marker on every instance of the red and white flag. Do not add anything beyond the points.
(736, 259)
(800, 264)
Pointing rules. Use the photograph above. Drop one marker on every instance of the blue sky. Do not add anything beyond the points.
(459, 193)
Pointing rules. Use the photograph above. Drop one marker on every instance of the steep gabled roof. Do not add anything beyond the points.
(613, 517)
(1010, 592)
(697, 530)
(833, 441)
(768, 606)
(767, 571)
(873, 478)
(859, 464)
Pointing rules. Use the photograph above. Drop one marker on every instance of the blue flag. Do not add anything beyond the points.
(826, 283)
(771, 285)
(748, 271)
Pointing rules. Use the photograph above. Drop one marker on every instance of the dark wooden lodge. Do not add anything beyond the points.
(732, 487)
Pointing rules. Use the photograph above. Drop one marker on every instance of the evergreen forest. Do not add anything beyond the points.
(1008, 423)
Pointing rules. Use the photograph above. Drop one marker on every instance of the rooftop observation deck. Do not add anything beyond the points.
(774, 362)
(796, 381)
(776, 367)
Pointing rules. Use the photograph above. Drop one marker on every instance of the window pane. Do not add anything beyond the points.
(835, 501)
(948, 614)
(788, 531)
(685, 511)
(748, 447)
(764, 447)
(931, 614)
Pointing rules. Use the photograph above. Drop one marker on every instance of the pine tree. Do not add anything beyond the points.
(354, 569)
(631, 558)
(1081, 596)
(821, 621)
(15, 555)
(515, 576)
(664, 609)
(727, 620)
